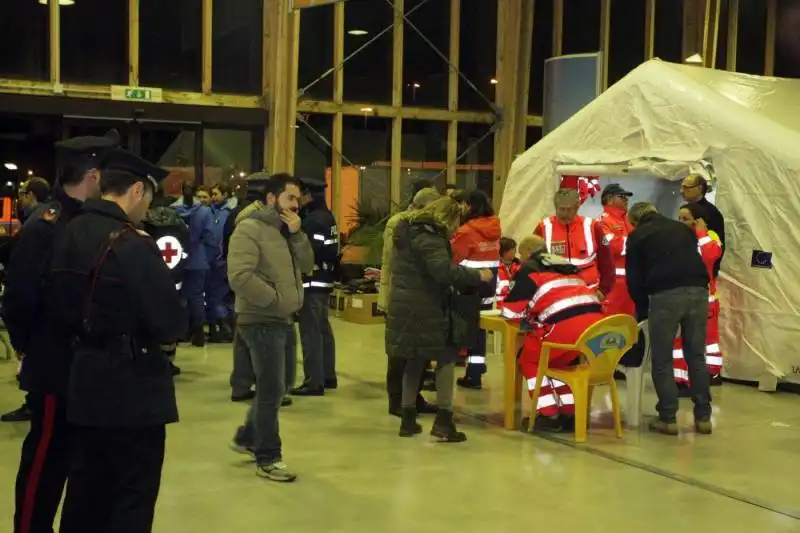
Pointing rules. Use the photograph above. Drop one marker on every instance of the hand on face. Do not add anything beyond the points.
(291, 219)
(700, 224)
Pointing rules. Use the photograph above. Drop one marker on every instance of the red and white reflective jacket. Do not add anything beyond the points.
(614, 227)
(504, 276)
(710, 248)
(547, 290)
(476, 244)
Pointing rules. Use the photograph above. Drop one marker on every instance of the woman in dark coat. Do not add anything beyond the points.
(419, 323)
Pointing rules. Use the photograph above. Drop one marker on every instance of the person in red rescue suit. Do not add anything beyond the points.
(509, 265)
(709, 246)
(615, 228)
(476, 244)
(576, 238)
(552, 303)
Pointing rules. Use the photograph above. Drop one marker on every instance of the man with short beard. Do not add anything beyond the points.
(268, 255)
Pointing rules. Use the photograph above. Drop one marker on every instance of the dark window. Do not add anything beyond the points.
(316, 52)
(226, 154)
(722, 39)
(236, 53)
(478, 54)
(424, 155)
(668, 39)
(171, 44)
(24, 47)
(94, 42)
(476, 144)
(172, 149)
(752, 37)
(542, 49)
(368, 73)
(367, 144)
(312, 146)
(533, 135)
(787, 40)
(627, 39)
(581, 27)
(426, 54)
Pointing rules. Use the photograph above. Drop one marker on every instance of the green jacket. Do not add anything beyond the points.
(419, 322)
(386, 259)
(265, 266)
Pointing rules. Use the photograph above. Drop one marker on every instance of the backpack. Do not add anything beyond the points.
(171, 234)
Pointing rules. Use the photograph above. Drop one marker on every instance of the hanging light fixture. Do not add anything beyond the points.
(60, 2)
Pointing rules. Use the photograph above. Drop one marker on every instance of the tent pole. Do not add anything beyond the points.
(733, 36)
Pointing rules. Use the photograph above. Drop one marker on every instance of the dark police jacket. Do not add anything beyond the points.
(117, 301)
(661, 254)
(29, 311)
(319, 225)
(171, 235)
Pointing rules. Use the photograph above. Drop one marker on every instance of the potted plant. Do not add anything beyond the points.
(363, 244)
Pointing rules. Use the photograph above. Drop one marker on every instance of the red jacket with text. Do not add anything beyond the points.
(614, 229)
(548, 290)
(577, 242)
(504, 276)
(476, 244)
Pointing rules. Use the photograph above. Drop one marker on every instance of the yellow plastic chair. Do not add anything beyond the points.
(601, 347)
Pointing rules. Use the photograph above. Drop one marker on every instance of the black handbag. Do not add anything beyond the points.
(464, 313)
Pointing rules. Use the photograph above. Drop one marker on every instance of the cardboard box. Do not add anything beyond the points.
(362, 309)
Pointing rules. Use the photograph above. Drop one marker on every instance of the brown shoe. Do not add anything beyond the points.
(665, 428)
(703, 427)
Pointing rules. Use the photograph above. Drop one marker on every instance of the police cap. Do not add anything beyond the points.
(84, 153)
(121, 160)
(313, 184)
(615, 189)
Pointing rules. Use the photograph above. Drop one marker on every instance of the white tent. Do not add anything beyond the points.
(664, 118)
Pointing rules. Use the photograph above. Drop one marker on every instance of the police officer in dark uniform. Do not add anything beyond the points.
(118, 303)
(171, 234)
(316, 335)
(31, 319)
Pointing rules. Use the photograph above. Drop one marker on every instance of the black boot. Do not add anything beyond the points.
(444, 430)
(198, 338)
(408, 424)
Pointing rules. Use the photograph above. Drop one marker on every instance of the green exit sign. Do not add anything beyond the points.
(136, 94)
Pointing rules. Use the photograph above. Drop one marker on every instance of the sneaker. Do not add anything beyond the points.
(276, 471)
(703, 427)
(286, 402)
(716, 380)
(22, 414)
(546, 424)
(243, 449)
(663, 427)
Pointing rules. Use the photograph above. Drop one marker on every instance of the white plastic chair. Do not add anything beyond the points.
(635, 379)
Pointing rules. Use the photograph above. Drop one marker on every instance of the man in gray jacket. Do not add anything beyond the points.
(267, 256)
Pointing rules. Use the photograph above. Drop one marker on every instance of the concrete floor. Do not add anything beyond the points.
(356, 475)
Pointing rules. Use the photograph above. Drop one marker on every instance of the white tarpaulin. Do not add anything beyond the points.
(664, 116)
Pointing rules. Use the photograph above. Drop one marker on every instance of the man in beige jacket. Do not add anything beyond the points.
(267, 256)
(395, 365)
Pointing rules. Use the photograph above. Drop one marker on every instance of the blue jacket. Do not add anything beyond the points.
(221, 215)
(202, 245)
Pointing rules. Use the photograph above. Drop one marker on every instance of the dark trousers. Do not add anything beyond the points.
(476, 356)
(267, 346)
(395, 369)
(316, 337)
(686, 307)
(43, 465)
(114, 478)
(217, 290)
(192, 290)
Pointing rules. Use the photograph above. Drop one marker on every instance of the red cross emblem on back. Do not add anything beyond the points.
(171, 250)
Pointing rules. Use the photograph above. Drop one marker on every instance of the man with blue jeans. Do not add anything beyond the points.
(668, 282)
(268, 255)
